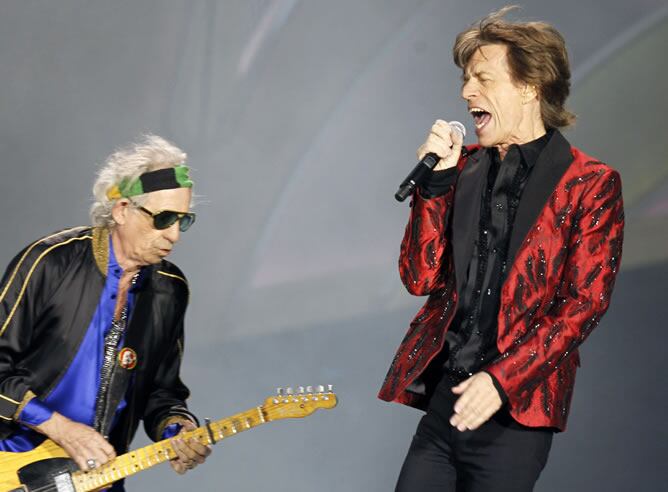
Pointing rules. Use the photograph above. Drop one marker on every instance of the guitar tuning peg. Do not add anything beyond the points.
(289, 390)
(279, 391)
(301, 390)
(309, 389)
(330, 388)
(321, 388)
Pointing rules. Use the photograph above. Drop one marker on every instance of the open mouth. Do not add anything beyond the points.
(480, 117)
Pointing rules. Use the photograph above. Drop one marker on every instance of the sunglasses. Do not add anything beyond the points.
(166, 218)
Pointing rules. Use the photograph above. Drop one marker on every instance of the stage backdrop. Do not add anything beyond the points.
(300, 118)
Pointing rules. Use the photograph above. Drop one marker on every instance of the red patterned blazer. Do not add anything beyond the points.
(564, 252)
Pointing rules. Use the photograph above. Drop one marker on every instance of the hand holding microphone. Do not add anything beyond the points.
(445, 140)
(440, 151)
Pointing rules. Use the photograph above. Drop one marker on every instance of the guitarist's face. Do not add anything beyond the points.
(137, 242)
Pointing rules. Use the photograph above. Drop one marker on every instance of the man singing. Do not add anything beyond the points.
(91, 320)
(517, 242)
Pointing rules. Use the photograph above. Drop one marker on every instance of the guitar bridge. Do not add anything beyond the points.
(63, 483)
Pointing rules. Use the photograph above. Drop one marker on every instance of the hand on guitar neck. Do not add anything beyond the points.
(189, 452)
(81, 442)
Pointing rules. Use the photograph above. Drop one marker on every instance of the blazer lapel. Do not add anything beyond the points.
(551, 165)
(466, 212)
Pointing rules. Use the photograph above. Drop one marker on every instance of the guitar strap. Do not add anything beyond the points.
(118, 385)
(114, 375)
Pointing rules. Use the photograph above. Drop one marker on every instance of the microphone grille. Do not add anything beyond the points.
(459, 127)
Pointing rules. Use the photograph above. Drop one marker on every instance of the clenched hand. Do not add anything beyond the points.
(445, 143)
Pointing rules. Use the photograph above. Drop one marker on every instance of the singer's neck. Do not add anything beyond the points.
(529, 128)
(526, 138)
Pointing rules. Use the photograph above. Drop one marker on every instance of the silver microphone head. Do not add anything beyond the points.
(459, 127)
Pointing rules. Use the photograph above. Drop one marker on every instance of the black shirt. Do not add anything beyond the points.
(470, 343)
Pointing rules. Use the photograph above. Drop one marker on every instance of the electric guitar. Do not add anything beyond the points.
(48, 468)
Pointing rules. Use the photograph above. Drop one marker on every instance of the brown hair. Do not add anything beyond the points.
(536, 56)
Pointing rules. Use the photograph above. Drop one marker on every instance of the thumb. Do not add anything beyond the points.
(457, 140)
(461, 387)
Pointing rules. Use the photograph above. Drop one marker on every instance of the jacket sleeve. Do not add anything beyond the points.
(22, 291)
(166, 403)
(425, 240)
(595, 248)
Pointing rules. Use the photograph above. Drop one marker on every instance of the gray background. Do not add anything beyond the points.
(300, 118)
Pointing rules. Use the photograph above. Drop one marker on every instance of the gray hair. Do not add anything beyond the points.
(149, 154)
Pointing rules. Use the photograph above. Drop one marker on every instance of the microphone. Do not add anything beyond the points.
(423, 168)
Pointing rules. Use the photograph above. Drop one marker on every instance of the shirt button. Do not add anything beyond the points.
(113, 296)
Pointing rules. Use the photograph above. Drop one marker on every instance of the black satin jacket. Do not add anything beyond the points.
(48, 296)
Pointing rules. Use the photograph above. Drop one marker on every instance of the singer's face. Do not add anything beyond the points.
(504, 111)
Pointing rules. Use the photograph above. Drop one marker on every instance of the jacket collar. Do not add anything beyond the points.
(101, 248)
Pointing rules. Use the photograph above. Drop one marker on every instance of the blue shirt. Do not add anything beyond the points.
(75, 394)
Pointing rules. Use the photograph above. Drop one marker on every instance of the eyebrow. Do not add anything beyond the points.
(467, 75)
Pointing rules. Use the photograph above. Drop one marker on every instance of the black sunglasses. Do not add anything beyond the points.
(165, 218)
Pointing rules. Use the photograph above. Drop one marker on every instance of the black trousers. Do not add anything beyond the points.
(499, 456)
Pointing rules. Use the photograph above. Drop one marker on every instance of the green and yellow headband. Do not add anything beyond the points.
(162, 179)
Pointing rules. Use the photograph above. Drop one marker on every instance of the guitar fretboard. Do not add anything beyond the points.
(140, 459)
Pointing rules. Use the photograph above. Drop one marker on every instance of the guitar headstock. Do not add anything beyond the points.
(290, 404)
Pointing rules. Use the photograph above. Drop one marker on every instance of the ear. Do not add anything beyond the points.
(529, 93)
(120, 211)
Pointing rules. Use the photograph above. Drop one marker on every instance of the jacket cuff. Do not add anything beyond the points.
(176, 417)
(499, 388)
(172, 430)
(438, 183)
(8, 407)
(166, 425)
(32, 411)
(421, 204)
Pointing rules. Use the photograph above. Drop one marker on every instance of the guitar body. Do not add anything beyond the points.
(34, 469)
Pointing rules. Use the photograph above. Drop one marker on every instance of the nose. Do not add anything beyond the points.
(172, 233)
(469, 89)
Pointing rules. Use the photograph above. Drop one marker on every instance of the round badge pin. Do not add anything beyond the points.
(127, 358)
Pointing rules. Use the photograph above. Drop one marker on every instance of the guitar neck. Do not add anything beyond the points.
(143, 458)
